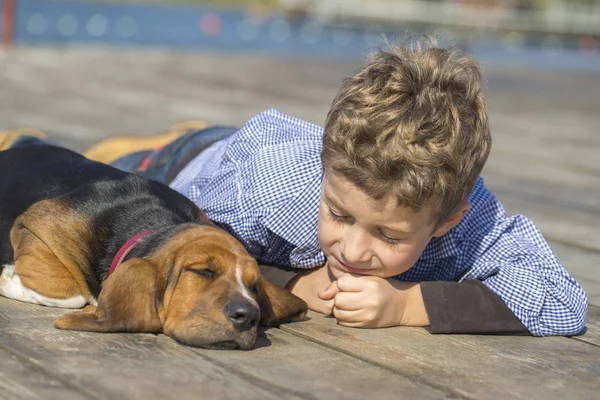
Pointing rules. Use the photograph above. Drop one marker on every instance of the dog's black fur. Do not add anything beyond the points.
(119, 204)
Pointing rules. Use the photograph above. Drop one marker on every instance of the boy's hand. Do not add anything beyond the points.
(308, 284)
(372, 302)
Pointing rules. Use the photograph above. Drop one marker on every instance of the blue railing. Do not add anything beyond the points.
(51, 22)
(65, 22)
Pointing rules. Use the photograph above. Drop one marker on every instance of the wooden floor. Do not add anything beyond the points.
(545, 163)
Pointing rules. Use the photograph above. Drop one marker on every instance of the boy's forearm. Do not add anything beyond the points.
(414, 312)
(447, 307)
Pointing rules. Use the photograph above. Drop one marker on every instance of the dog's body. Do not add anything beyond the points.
(118, 205)
(64, 218)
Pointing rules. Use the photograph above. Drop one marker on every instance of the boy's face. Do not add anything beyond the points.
(363, 236)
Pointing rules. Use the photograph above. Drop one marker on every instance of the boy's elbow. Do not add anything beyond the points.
(575, 327)
(564, 321)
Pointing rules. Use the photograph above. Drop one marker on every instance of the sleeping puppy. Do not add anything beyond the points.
(142, 257)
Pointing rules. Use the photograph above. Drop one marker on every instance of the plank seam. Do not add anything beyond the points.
(450, 392)
(568, 243)
(268, 386)
(39, 368)
(583, 340)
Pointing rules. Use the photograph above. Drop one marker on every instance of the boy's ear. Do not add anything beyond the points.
(452, 221)
(279, 305)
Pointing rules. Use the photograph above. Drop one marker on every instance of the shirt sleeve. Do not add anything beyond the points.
(519, 267)
(262, 185)
(278, 275)
(468, 307)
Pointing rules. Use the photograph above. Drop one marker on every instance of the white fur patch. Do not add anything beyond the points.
(11, 287)
(243, 288)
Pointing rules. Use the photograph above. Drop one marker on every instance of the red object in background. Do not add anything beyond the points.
(8, 19)
(588, 45)
(210, 24)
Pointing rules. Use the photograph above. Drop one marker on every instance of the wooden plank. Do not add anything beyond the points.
(119, 366)
(140, 366)
(321, 372)
(23, 380)
(578, 261)
(560, 212)
(97, 101)
(582, 264)
(592, 324)
(555, 184)
(476, 366)
(543, 161)
(537, 143)
(592, 289)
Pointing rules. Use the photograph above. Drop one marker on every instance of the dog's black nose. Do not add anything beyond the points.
(243, 315)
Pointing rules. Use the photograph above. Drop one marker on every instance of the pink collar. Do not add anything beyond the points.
(127, 247)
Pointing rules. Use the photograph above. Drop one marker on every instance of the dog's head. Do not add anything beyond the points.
(200, 287)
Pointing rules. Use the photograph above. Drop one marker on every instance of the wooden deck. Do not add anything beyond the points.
(544, 163)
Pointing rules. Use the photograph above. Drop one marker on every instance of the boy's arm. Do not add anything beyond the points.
(448, 307)
(536, 288)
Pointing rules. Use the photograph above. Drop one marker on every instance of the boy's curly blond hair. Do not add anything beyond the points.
(411, 123)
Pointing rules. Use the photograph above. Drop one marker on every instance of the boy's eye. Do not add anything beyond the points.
(388, 239)
(336, 217)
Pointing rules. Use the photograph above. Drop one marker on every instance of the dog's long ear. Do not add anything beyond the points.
(130, 301)
(279, 305)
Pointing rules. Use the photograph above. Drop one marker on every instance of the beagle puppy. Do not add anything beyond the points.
(138, 255)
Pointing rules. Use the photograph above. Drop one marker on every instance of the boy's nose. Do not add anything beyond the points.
(355, 248)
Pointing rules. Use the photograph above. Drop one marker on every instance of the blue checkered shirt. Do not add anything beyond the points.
(263, 184)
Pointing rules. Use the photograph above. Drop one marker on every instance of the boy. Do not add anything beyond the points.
(380, 219)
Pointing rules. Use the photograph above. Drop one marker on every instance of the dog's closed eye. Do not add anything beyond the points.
(254, 288)
(205, 273)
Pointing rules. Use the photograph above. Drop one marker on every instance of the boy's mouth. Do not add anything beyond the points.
(352, 270)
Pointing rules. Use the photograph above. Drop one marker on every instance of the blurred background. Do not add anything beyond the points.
(533, 31)
(87, 69)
